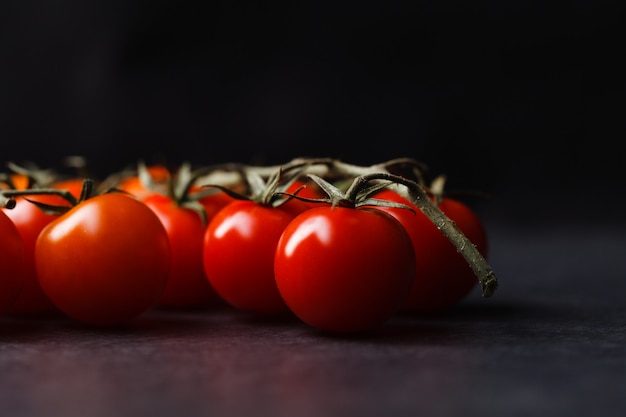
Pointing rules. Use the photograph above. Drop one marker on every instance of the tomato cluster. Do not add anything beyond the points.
(342, 247)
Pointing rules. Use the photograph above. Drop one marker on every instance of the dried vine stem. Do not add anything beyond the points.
(415, 194)
(6, 202)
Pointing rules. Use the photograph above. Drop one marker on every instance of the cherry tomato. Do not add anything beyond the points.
(12, 261)
(104, 261)
(442, 278)
(213, 203)
(133, 184)
(73, 185)
(30, 220)
(18, 181)
(239, 246)
(24, 178)
(307, 189)
(344, 269)
(187, 285)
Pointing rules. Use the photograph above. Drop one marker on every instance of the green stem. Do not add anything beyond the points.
(482, 270)
(85, 192)
(65, 194)
(6, 202)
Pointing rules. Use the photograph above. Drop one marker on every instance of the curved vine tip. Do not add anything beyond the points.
(5, 202)
(418, 196)
(489, 284)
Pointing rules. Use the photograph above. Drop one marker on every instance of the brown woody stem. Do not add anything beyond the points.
(482, 270)
(6, 202)
(67, 195)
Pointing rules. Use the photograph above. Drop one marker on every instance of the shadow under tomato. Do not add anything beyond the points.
(452, 326)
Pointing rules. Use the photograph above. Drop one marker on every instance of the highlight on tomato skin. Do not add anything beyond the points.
(344, 270)
(187, 285)
(442, 277)
(242, 249)
(185, 209)
(105, 261)
(30, 220)
(240, 240)
(239, 245)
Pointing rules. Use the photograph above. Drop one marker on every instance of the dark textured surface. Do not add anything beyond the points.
(550, 342)
(522, 100)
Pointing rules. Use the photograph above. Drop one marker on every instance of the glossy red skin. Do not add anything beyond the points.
(239, 246)
(105, 261)
(12, 261)
(187, 285)
(30, 220)
(73, 185)
(136, 188)
(214, 203)
(443, 277)
(343, 269)
(307, 189)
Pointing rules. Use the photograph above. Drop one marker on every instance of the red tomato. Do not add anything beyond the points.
(105, 261)
(307, 189)
(12, 261)
(442, 278)
(214, 202)
(19, 182)
(239, 246)
(30, 220)
(187, 285)
(73, 185)
(344, 269)
(134, 186)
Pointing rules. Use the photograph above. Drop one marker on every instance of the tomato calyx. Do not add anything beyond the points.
(436, 189)
(417, 195)
(31, 176)
(6, 202)
(269, 189)
(182, 185)
(337, 170)
(29, 180)
(87, 191)
(363, 186)
(357, 195)
(405, 167)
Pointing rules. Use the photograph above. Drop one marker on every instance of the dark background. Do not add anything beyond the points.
(521, 99)
(524, 100)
